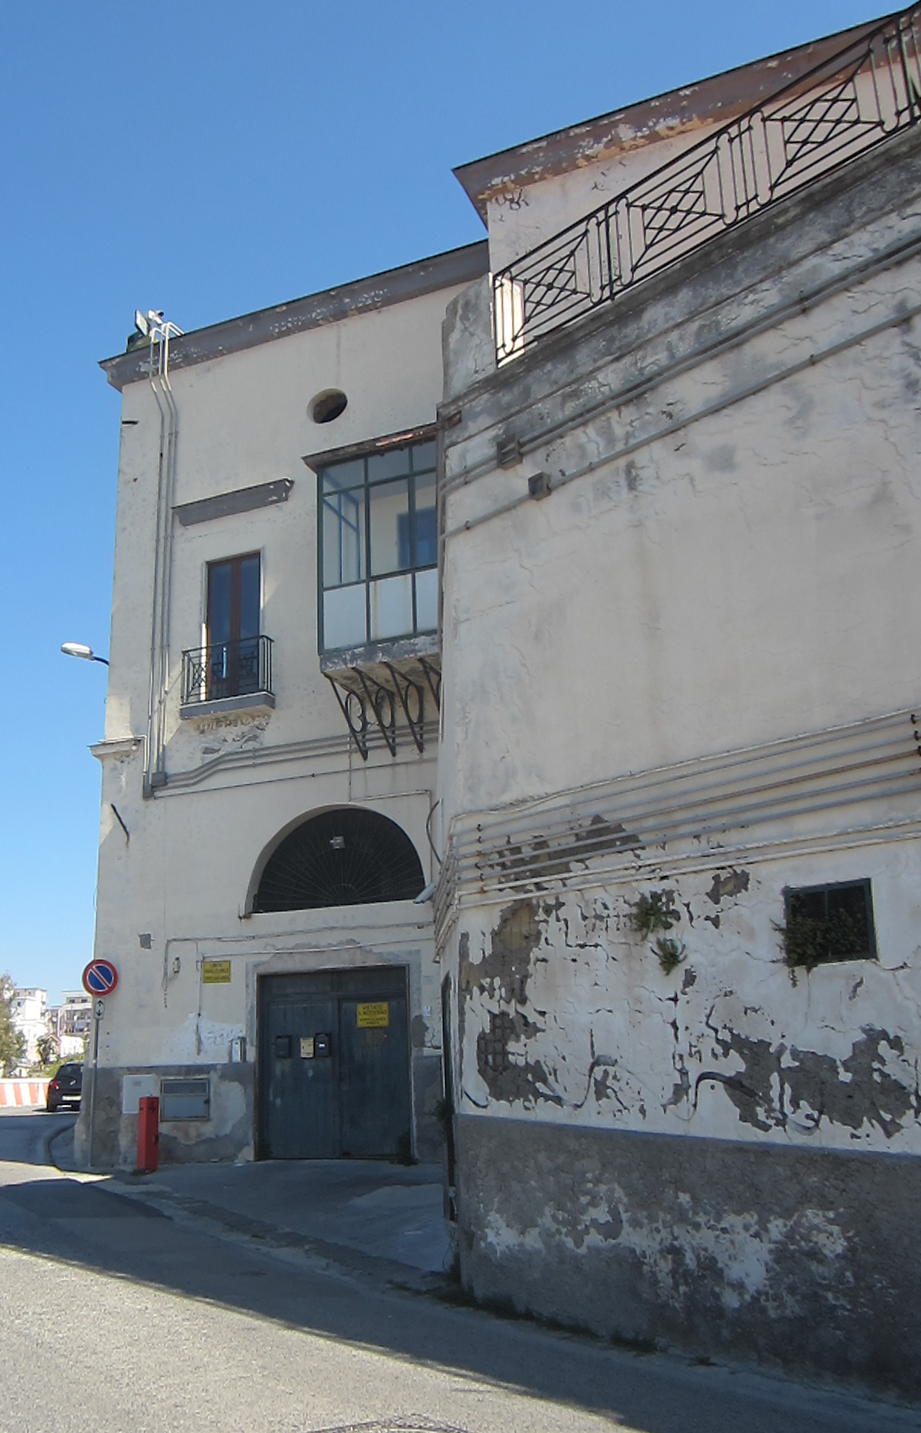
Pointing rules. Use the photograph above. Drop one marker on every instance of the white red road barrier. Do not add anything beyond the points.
(22, 1094)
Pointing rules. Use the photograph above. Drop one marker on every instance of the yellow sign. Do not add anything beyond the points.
(215, 972)
(306, 1047)
(373, 1015)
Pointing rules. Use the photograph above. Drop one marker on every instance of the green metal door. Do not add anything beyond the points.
(333, 1065)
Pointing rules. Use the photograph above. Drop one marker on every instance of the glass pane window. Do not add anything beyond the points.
(392, 607)
(392, 464)
(231, 663)
(344, 616)
(233, 599)
(388, 517)
(377, 520)
(343, 538)
(343, 475)
(423, 455)
(426, 537)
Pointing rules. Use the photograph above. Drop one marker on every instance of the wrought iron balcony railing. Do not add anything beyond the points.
(227, 669)
(837, 111)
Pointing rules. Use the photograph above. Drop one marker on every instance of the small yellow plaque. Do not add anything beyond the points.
(373, 1015)
(215, 972)
(306, 1047)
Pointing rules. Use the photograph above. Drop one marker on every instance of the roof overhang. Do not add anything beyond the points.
(714, 100)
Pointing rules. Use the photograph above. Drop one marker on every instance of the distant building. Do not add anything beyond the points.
(29, 1014)
(71, 1022)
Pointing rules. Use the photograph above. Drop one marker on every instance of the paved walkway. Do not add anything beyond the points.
(380, 1218)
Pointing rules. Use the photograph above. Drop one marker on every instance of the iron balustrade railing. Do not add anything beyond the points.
(227, 669)
(840, 109)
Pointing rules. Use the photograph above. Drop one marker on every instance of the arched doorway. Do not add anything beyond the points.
(333, 1045)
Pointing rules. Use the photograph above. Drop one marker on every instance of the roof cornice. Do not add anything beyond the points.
(424, 276)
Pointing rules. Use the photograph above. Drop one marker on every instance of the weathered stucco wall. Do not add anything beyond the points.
(730, 455)
(565, 1011)
(730, 1251)
(676, 663)
(525, 216)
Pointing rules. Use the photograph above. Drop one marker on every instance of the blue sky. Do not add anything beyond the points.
(208, 159)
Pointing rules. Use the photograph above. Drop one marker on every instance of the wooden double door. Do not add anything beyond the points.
(334, 1065)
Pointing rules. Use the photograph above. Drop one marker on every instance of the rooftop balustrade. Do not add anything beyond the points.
(837, 111)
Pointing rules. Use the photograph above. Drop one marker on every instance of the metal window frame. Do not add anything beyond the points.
(322, 463)
(823, 888)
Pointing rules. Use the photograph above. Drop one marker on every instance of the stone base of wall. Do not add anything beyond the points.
(228, 1134)
(802, 1260)
(428, 1140)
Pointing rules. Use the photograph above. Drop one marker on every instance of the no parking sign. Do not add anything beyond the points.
(100, 977)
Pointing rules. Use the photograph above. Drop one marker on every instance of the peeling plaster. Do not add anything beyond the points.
(564, 1009)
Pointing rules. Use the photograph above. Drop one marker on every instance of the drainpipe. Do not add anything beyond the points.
(160, 334)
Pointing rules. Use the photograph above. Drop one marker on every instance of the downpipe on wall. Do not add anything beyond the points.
(158, 687)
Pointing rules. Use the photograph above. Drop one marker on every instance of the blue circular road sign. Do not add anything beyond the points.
(100, 977)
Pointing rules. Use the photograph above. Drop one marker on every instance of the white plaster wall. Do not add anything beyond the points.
(182, 877)
(746, 577)
(524, 217)
(243, 420)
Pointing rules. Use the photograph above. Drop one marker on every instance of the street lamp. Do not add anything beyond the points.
(77, 649)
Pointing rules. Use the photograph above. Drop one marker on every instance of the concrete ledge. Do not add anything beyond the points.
(251, 702)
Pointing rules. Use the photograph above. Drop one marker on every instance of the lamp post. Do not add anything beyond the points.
(78, 649)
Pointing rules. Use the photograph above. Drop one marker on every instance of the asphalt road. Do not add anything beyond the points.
(115, 1317)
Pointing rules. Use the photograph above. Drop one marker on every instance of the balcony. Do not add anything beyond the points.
(844, 107)
(228, 676)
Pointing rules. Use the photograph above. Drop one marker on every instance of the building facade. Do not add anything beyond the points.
(680, 909)
(636, 695)
(29, 1016)
(271, 720)
(71, 1023)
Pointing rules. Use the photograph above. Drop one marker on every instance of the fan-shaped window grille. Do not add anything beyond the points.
(340, 858)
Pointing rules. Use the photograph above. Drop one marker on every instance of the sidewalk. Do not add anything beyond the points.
(369, 1217)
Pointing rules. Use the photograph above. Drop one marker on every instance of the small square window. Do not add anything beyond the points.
(825, 924)
(185, 1099)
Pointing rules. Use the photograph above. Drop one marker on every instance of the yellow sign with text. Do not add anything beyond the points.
(215, 972)
(373, 1015)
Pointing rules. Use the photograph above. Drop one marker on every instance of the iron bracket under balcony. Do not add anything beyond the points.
(227, 677)
(382, 685)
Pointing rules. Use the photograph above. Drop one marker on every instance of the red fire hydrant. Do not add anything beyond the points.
(148, 1133)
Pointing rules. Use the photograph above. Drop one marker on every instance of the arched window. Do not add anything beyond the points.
(348, 857)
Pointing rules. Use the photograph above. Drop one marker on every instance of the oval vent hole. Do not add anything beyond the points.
(328, 405)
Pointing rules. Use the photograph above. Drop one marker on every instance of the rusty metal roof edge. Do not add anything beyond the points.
(375, 291)
(713, 98)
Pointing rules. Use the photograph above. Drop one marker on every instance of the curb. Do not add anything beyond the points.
(274, 1236)
(51, 1137)
(256, 1231)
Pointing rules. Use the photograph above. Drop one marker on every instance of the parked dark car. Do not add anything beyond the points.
(65, 1089)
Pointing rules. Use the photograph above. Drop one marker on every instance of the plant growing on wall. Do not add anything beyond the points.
(671, 953)
(654, 914)
(809, 940)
